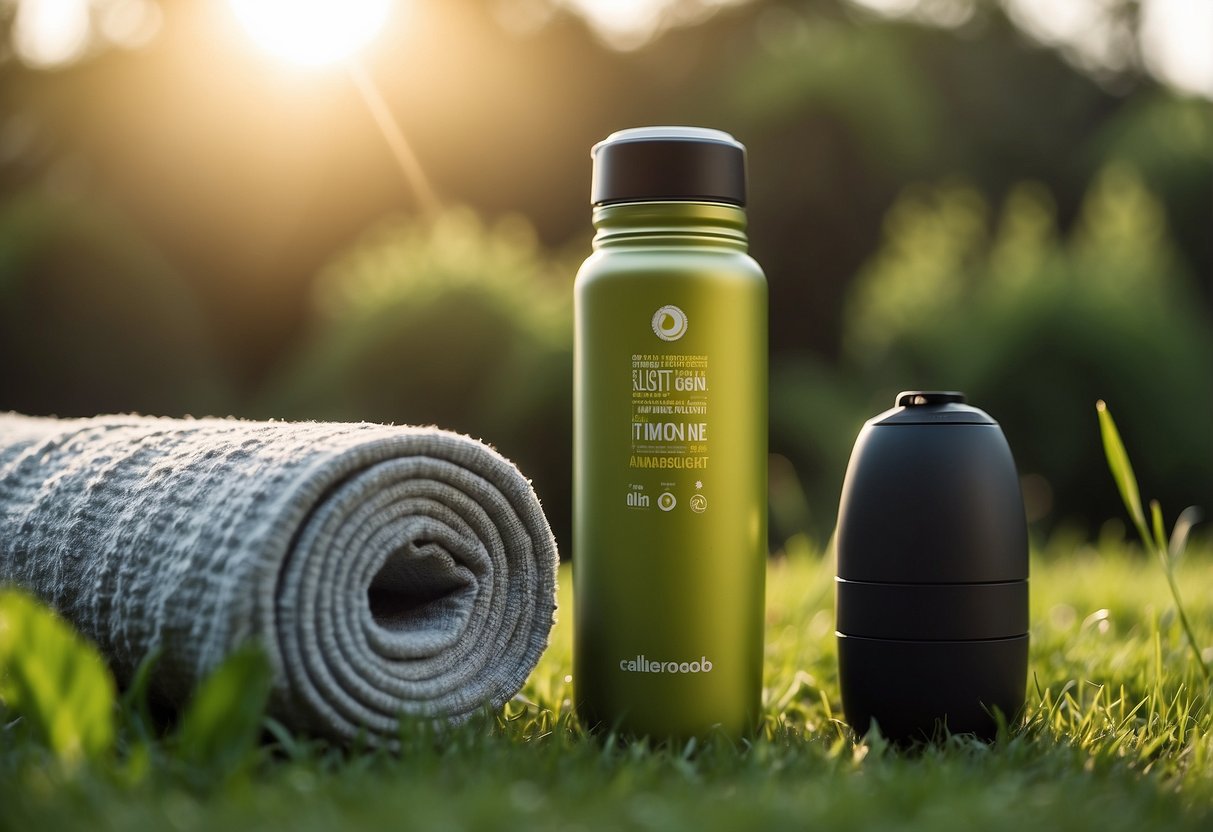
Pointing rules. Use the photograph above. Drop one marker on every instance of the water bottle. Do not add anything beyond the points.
(670, 442)
(932, 588)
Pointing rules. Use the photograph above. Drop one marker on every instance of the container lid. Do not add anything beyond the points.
(923, 505)
(931, 407)
(669, 163)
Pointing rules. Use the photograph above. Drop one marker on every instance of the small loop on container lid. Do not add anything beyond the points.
(914, 398)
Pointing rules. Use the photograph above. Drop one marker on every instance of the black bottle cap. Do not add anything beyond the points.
(932, 407)
(676, 163)
(936, 501)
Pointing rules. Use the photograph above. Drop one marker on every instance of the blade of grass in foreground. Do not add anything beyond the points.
(1121, 468)
(1167, 552)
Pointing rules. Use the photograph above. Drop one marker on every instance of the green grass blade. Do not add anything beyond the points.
(1122, 470)
(1160, 534)
(1186, 624)
(223, 721)
(136, 705)
(1188, 518)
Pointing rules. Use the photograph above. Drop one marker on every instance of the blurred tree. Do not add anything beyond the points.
(249, 174)
(1035, 328)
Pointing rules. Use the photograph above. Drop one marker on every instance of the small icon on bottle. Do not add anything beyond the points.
(666, 501)
(669, 323)
(699, 503)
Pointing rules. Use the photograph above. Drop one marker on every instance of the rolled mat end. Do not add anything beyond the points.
(388, 571)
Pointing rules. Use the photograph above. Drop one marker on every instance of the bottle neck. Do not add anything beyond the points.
(670, 223)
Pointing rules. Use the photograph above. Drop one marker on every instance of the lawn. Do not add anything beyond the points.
(1117, 736)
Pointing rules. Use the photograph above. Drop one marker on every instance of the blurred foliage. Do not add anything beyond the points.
(1169, 141)
(454, 322)
(54, 681)
(1035, 328)
(840, 115)
(58, 693)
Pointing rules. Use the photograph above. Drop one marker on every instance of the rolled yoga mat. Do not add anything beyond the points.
(386, 571)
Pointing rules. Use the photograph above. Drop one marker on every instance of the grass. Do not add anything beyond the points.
(1117, 736)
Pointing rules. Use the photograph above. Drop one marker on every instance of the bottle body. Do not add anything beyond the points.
(670, 448)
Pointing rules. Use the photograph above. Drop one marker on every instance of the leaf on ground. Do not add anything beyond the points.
(55, 679)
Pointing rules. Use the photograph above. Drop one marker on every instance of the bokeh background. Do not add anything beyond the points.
(1014, 199)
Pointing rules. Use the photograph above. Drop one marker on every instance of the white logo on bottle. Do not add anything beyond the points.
(643, 664)
(669, 323)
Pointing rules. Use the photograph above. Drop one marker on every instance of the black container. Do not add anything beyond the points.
(932, 586)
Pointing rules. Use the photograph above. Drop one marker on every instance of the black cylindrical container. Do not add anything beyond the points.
(932, 586)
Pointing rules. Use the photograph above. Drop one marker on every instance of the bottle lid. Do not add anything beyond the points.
(669, 163)
(925, 505)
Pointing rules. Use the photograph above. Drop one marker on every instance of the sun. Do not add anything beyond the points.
(312, 32)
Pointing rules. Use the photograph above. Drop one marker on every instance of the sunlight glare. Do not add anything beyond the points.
(630, 24)
(51, 33)
(1176, 39)
(312, 32)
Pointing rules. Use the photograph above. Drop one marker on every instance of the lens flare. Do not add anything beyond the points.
(312, 32)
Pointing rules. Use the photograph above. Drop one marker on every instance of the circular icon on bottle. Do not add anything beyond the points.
(666, 501)
(669, 323)
(699, 503)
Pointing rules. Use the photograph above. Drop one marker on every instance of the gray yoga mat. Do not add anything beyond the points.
(385, 570)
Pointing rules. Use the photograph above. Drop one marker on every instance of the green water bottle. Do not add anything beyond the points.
(670, 442)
